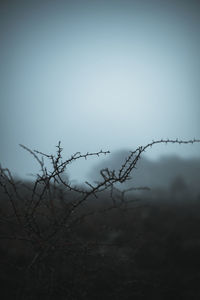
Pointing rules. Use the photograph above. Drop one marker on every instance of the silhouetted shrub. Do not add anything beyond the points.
(63, 241)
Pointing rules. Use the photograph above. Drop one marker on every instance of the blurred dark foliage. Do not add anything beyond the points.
(59, 241)
(144, 249)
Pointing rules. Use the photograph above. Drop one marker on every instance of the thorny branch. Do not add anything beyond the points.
(50, 187)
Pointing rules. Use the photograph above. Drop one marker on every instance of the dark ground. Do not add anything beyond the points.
(148, 249)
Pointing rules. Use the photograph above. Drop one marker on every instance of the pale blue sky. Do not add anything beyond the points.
(98, 75)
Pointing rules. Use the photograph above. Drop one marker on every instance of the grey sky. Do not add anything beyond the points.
(97, 75)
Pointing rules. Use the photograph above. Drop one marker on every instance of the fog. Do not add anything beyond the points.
(169, 174)
(97, 75)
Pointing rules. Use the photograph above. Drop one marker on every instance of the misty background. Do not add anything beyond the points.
(95, 75)
(168, 177)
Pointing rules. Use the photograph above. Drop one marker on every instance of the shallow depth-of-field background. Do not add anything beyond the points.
(62, 241)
